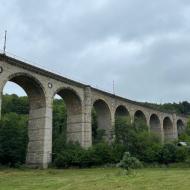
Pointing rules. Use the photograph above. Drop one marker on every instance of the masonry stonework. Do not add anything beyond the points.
(41, 86)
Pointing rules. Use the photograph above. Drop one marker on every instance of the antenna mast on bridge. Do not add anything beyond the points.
(5, 42)
(113, 87)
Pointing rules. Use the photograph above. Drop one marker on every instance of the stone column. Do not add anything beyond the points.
(75, 128)
(162, 130)
(39, 152)
(87, 141)
(132, 115)
(147, 116)
(111, 135)
(175, 132)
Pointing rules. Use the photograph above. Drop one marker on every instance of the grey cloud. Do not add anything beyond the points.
(142, 45)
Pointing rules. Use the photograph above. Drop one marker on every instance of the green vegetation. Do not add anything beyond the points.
(13, 139)
(129, 162)
(180, 108)
(134, 147)
(93, 179)
(133, 138)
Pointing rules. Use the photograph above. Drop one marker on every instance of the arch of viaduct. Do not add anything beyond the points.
(41, 86)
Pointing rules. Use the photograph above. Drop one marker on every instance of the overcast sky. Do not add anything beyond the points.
(143, 45)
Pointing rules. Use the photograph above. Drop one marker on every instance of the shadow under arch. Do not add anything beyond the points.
(31, 85)
(103, 115)
(139, 117)
(74, 113)
(168, 129)
(155, 125)
(36, 155)
(180, 127)
(122, 113)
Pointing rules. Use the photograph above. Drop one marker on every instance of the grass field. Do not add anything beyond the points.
(95, 179)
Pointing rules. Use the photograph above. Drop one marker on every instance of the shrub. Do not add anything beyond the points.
(128, 162)
(117, 152)
(69, 157)
(102, 154)
(168, 153)
(171, 153)
(99, 154)
(182, 154)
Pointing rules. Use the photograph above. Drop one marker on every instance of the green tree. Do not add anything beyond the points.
(59, 126)
(13, 139)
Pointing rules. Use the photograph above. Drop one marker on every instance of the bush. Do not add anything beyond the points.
(70, 156)
(117, 151)
(170, 153)
(128, 162)
(102, 154)
(182, 154)
(99, 154)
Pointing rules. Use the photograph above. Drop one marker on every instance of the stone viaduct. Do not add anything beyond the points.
(41, 86)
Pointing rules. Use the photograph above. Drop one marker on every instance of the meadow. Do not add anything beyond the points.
(95, 179)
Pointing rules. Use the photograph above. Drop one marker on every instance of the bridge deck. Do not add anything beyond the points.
(28, 66)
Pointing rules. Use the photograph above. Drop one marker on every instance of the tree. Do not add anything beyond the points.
(13, 139)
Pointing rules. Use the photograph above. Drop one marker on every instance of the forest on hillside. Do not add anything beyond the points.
(179, 108)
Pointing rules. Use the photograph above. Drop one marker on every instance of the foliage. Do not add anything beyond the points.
(59, 126)
(146, 146)
(180, 108)
(185, 136)
(133, 138)
(137, 140)
(71, 156)
(99, 154)
(129, 162)
(13, 139)
(16, 104)
(170, 153)
(97, 134)
(59, 117)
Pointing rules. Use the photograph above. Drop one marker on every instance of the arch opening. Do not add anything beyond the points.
(59, 125)
(121, 112)
(67, 116)
(140, 120)
(168, 129)
(122, 115)
(33, 111)
(101, 124)
(180, 127)
(155, 125)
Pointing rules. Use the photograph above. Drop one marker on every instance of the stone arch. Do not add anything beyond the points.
(140, 116)
(180, 126)
(121, 112)
(168, 129)
(155, 124)
(39, 123)
(74, 113)
(30, 84)
(103, 114)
